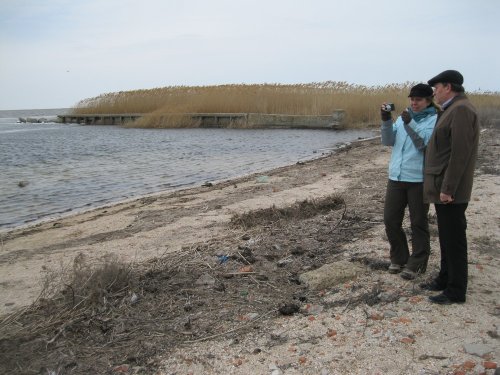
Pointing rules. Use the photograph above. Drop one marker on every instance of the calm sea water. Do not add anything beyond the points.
(50, 169)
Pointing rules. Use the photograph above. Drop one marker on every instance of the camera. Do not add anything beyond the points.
(389, 107)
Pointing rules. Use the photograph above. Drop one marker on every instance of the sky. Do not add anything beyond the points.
(54, 53)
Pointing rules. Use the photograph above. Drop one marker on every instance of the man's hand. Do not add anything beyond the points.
(406, 117)
(445, 198)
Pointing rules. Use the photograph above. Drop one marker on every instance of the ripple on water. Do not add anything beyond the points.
(71, 167)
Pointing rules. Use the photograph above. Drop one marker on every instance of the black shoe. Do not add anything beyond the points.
(395, 268)
(408, 274)
(443, 299)
(433, 286)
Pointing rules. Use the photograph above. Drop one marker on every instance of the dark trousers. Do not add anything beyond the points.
(400, 194)
(452, 227)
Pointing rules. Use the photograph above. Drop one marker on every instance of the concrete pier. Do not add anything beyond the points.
(99, 119)
(224, 120)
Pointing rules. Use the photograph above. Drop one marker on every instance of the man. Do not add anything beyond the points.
(448, 174)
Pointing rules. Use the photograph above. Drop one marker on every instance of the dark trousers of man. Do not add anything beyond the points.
(452, 227)
(400, 194)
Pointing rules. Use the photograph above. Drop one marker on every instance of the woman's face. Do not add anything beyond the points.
(418, 104)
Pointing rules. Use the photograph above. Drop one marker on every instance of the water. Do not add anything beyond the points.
(50, 169)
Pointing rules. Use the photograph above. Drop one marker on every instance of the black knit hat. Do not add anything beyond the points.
(421, 91)
(448, 76)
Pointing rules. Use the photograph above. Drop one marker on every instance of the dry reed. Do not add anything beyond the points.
(299, 210)
(167, 106)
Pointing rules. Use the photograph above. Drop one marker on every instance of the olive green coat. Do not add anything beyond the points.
(451, 154)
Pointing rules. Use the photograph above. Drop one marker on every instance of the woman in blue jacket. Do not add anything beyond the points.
(408, 136)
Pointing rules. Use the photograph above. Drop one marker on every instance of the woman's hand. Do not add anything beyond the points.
(405, 115)
(385, 115)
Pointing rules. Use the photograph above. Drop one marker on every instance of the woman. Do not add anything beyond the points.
(408, 135)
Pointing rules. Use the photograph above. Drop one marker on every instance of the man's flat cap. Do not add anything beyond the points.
(448, 76)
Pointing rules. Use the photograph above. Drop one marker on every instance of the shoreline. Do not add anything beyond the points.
(73, 231)
(373, 323)
(78, 211)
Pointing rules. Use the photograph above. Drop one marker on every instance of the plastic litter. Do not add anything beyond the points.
(222, 258)
(262, 179)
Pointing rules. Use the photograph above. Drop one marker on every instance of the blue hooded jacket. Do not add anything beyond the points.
(407, 161)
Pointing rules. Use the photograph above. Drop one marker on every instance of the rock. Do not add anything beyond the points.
(275, 370)
(331, 332)
(390, 314)
(220, 287)
(35, 120)
(138, 370)
(289, 309)
(205, 279)
(330, 275)
(376, 316)
(469, 365)
(281, 339)
(247, 255)
(493, 334)
(251, 316)
(237, 362)
(313, 309)
(477, 349)
(388, 297)
(22, 183)
(134, 299)
(246, 269)
(284, 262)
(121, 368)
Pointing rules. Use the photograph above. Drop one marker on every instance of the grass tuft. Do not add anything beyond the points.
(299, 210)
(87, 284)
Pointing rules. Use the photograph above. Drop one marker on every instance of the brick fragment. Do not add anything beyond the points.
(407, 340)
(489, 365)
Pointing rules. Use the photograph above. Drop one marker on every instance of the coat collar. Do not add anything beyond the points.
(456, 98)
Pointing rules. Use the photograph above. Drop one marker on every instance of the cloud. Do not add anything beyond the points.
(74, 49)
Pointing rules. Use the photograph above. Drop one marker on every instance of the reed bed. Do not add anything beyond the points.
(168, 106)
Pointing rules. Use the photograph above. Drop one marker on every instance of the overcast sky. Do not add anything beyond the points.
(54, 53)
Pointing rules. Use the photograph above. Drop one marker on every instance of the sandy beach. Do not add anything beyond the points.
(367, 322)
